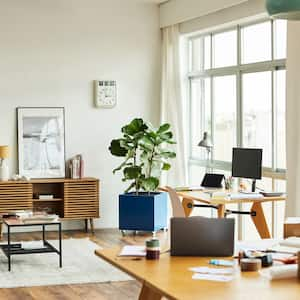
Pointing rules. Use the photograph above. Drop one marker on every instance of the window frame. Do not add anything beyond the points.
(238, 70)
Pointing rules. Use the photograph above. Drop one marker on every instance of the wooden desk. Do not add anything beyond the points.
(259, 220)
(169, 277)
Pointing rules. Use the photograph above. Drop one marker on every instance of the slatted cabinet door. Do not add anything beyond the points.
(81, 199)
(15, 196)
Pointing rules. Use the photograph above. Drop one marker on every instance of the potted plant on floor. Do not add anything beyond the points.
(146, 155)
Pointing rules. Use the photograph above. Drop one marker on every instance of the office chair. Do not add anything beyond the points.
(177, 207)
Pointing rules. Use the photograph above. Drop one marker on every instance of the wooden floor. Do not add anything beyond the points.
(95, 291)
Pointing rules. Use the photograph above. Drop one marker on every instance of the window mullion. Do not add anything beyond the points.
(272, 40)
(239, 117)
(274, 140)
(212, 114)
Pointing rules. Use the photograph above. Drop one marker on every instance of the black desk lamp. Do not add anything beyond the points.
(207, 144)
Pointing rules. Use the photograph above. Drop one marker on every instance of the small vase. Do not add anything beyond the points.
(4, 172)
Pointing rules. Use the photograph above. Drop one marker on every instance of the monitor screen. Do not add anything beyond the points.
(246, 163)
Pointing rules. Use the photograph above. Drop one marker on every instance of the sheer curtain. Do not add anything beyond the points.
(293, 121)
(172, 108)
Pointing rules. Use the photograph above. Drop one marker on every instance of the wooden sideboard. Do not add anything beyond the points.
(73, 199)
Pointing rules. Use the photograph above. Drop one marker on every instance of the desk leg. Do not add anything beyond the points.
(221, 211)
(149, 294)
(187, 206)
(260, 221)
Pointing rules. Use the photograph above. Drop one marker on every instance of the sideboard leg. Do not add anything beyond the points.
(86, 225)
(92, 225)
(1, 231)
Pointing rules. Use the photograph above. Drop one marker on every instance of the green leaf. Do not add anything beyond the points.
(150, 184)
(128, 146)
(163, 128)
(171, 142)
(168, 154)
(132, 172)
(166, 136)
(166, 167)
(134, 127)
(147, 140)
(152, 135)
(116, 149)
(145, 147)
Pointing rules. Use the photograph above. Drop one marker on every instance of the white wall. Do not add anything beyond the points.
(51, 51)
(178, 11)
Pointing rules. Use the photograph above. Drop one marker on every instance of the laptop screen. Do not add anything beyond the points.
(212, 180)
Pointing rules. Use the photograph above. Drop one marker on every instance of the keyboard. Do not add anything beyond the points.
(236, 196)
(271, 194)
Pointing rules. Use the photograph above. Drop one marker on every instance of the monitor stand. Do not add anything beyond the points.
(253, 186)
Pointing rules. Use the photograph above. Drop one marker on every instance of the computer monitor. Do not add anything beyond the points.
(247, 163)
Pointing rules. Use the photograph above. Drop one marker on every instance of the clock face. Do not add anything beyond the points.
(105, 93)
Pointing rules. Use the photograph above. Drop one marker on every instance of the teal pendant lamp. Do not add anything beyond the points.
(284, 9)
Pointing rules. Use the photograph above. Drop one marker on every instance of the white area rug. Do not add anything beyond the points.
(80, 265)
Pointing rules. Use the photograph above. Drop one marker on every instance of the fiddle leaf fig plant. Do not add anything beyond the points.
(145, 153)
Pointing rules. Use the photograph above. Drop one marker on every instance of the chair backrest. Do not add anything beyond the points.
(177, 207)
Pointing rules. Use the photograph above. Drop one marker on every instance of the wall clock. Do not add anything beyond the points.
(105, 93)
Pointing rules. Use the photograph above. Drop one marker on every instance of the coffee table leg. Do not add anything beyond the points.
(60, 254)
(8, 248)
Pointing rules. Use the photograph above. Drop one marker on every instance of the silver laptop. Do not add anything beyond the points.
(198, 236)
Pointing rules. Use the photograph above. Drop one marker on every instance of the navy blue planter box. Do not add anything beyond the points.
(143, 212)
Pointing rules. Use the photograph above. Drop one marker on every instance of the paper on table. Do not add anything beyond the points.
(285, 249)
(133, 251)
(212, 277)
(206, 270)
(280, 256)
(259, 245)
(281, 272)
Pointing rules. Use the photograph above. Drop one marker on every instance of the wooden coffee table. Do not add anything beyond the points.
(10, 249)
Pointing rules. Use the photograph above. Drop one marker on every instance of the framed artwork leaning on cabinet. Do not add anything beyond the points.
(41, 142)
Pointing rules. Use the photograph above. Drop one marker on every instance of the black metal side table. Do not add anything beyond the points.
(10, 249)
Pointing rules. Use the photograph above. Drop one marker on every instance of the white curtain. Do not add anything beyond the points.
(293, 120)
(172, 108)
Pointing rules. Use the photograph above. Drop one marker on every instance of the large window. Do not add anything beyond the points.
(237, 95)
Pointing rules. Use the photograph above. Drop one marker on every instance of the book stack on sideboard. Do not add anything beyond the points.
(71, 199)
(75, 167)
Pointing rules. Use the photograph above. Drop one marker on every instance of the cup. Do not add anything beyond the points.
(152, 249)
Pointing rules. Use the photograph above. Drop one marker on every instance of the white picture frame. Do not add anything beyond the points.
(41, 142)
